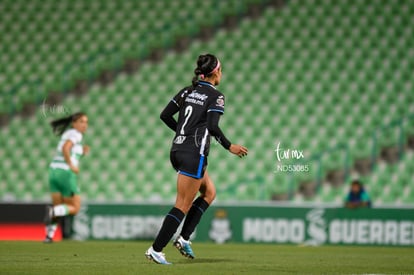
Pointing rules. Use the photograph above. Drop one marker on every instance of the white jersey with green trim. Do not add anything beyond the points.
(75, 153)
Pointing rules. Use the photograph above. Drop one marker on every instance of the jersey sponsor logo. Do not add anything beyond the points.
(220, 101)
(194, 101)
(179, 139)
(198, 96)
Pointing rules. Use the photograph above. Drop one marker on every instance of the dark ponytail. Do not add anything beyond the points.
(60, 125)
(194, 81)
(206, 63)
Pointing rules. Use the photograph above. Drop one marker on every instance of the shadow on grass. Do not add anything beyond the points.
(206, 261)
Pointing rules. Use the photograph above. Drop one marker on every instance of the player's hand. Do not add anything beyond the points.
(74, 169)
(238, 150)
(86, 150)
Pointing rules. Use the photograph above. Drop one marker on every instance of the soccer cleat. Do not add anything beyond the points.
(48, 240)
(157, 257)
(184, 247)
(48, 215)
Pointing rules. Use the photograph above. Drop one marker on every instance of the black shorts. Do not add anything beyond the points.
(189, 163)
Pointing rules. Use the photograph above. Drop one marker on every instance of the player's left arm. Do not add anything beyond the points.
(214, 129)
(214, 111)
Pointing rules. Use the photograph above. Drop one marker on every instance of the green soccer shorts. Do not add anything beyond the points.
(63, 182)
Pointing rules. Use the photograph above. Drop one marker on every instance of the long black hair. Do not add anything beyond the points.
(60, 125)
(206, 65)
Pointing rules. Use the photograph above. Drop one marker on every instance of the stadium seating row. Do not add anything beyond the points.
(49, 41)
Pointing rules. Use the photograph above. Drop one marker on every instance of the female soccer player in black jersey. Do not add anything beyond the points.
(200, 107)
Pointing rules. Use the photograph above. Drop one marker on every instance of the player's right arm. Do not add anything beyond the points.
(167, 115)
(173, 107)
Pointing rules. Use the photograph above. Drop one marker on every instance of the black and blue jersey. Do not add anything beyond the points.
(199, 109)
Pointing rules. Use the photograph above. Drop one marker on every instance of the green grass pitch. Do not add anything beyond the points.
(117, 257)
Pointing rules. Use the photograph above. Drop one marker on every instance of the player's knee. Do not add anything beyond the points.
(209, 195)
(184, 204)
(76, 209)
(213, 197)
(74, 206)
(183, 207)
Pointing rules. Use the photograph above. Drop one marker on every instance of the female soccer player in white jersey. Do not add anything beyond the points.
(63, 170)
(200, 107)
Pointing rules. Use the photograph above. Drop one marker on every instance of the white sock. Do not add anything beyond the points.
(60, 210)
(50, 230)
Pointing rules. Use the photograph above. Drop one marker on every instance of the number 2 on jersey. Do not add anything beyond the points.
(187, 113)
